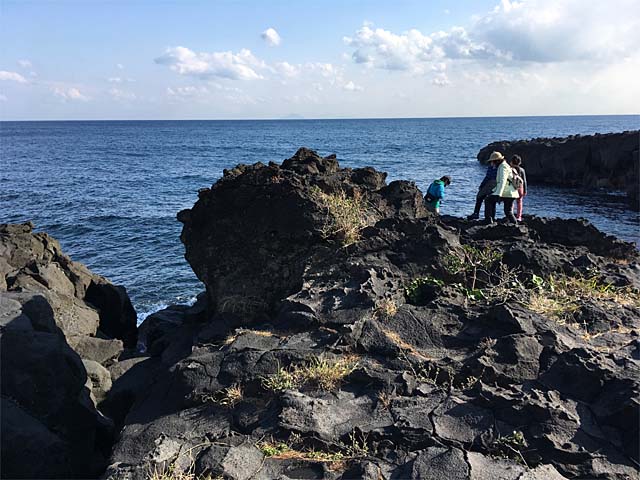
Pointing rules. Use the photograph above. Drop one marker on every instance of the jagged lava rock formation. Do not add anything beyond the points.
(312, 356)
(61, 327)
(608, 161)
(346, 333)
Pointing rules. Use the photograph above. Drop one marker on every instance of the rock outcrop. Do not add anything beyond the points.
(418, 347)
(60, 327)
(607, 161)
(345, 333)
(282, 221)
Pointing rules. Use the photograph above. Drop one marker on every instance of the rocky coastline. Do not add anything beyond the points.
(344, 333)
(601, 161)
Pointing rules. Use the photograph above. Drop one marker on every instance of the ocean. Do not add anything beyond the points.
(109, 191)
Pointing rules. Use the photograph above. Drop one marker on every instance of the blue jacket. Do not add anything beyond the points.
(436, 190)
(492, 173)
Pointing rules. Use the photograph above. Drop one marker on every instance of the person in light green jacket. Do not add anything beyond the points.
(504, 191)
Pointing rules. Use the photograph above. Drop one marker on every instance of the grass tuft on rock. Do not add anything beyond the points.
(346, 215)
(560, 297)
(386, 309)
(320, 373)
(242, 331)
(227, 397)
(173, 472)
(356, 447)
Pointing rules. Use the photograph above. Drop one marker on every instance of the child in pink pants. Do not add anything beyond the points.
(516, 162)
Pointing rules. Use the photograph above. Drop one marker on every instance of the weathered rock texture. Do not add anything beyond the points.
(609, 161)
(272, 216)
(309, 356)
(438, 384)
(60, 326)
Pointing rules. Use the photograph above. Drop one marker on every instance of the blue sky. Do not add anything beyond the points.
(140, 59)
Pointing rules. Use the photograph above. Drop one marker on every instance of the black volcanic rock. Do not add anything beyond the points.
(259, 225)
(442, 386)
(83, 302)
(316, 356)
(609, 161)
(53, 344)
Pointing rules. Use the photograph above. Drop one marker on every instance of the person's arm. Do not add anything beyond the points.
(440, 192)
(501, 180)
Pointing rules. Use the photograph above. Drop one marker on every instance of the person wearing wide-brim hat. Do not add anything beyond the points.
(504, 191)
(487, 185)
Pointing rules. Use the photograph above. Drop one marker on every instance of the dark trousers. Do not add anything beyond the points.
(490, 208)
(484, 191)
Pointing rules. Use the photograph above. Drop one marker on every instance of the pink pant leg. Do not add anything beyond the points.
(519, 203)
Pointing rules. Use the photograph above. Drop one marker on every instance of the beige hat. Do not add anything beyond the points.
(495, 157)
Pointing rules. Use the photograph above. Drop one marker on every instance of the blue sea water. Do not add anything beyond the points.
(109, 191)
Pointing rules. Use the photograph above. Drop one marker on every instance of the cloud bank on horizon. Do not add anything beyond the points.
(526, 57)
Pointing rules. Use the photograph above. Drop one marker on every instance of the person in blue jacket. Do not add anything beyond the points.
(435, 194)
(487, 185)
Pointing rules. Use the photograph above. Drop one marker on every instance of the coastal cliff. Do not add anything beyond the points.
(605, 161)
(347, 333)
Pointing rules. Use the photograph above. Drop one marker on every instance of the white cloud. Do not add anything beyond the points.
(271, 37)
(12, 76)
(441, 80)
(352, 87)
(25, 63)
(411, 50)
(188, 91)
(497, 76)
(562, 30)
(236, 66)
(69, 93)
(332, 73)
(286, 69)
(119, 94)
(119, 66)
(3, 98)
(542, 31)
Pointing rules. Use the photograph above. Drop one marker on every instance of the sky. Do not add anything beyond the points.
(242, 59)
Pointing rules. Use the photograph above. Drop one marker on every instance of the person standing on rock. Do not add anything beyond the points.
(487, 185)
(435, 194)
(516, 164)
(505, 191)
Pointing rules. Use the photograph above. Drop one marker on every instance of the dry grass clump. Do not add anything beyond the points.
(356, 447)
(321, 373)
(560, 297)
(241, 331)
(227, 397)
(404, 347)
(346, 215)
(327, 374)
(384, 399)
(283, 451)
(172, 473)
(283, 379)
(385, 309)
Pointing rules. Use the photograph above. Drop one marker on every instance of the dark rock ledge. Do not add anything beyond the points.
(602, 161)
(316, 353)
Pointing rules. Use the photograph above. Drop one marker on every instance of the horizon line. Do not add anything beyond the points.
(285, 119)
